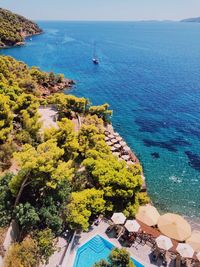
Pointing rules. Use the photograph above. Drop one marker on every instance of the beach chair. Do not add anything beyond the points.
(110, 228)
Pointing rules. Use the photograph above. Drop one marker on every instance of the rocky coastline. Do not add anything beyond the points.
(55, 88)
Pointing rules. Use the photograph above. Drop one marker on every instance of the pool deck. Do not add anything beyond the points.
(139, 252)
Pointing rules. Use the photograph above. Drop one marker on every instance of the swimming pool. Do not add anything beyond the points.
(93, 251)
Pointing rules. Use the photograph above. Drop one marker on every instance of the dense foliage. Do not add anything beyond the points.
(117, 258)
(13, 28)
(66, 175)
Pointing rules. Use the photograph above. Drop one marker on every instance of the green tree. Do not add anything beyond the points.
(120, 185)
(26, 216)
(41, 168)
(102, 112)
(117, 258)
(46, 244)
(6, 118)
(6, 200)
(82, 205)
(65, 137)
(22, 254)
(120, 258)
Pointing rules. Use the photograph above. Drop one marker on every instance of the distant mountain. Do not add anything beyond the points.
(197, 20)
(14, 28)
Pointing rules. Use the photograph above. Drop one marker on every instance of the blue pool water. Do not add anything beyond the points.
(93, 251)
(149, 72)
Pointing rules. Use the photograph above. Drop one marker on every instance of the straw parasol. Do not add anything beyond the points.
(148, 215)
(185, 250)
(118, 218)
(164, 242)
(174, 226)
(132, 226)
(194, 241)
(198, 256)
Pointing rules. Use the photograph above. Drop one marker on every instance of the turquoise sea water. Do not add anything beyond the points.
(150, 74)
(95, 250)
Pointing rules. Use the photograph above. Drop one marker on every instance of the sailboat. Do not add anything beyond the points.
(95, 59)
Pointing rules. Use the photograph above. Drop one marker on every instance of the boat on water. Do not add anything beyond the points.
(95, 59)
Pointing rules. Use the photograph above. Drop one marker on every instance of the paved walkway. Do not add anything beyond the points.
(139, 252)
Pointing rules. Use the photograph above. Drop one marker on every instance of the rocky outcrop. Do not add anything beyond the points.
(14, 28)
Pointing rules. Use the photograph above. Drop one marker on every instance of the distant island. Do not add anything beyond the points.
(197, 20)
(14, 28)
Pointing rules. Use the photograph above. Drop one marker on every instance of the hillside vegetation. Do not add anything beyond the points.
(14, 28)
(197, 20)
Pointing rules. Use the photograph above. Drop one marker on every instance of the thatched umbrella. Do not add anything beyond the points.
(174, 226)
(132, 226)
(164, 242)
(118, 218)
(148, 215)
(194, 241)
(185, 250)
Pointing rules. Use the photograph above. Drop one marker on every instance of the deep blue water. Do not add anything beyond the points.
(150, 75)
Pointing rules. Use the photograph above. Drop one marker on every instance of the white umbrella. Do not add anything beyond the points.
(164, 242)
(114, 141)
(185, 250)
(111, 136)
(126, 148)
(125, 157)
(118, 218)
(117, 146)
(132, 226)
(119, 138)
(109, 143)
(122, 143)
(198, 256)
(116, 134)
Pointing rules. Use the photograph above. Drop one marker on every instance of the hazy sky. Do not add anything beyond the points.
(104, 9)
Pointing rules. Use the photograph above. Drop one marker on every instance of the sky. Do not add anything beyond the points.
(104, 9)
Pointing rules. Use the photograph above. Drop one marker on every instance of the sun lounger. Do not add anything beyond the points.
(110, 228)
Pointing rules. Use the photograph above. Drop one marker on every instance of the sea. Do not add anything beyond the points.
(149, 73)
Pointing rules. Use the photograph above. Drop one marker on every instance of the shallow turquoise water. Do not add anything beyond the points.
(150, 75)
(93, 251)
